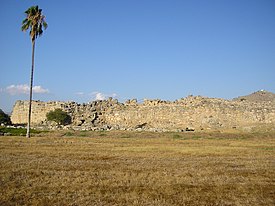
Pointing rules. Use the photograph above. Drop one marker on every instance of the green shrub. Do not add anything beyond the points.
(18, 131)
(102, 134)
(4, 118)
(59, 116)
(196, 137)
(83, 134)
(69, 134)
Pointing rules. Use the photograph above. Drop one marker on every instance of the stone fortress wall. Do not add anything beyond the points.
(190, 113)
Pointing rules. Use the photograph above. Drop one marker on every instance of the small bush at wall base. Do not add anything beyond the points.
(59, 116)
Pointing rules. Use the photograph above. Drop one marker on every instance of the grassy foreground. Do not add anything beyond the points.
(130, 168)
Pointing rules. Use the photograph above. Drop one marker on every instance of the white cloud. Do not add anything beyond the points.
(102, 96)
(17, 89)
(40, 90)
(24, 89)
(80, 93)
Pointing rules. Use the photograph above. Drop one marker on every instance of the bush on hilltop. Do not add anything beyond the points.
(4, 118)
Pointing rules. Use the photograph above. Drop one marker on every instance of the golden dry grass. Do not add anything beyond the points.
(131, 168)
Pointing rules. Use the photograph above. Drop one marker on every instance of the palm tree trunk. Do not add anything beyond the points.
(31, 83)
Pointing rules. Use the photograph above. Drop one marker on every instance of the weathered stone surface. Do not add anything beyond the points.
(186, 114)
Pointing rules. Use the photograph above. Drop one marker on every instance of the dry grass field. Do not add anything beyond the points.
(138, 168)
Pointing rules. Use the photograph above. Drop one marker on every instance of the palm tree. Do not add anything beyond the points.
(35, 21)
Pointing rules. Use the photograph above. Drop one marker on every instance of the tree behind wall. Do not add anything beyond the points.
(59, 116)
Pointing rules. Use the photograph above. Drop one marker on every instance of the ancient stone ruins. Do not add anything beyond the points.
(186, 114)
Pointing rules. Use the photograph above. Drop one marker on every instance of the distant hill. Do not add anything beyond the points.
(259, 96)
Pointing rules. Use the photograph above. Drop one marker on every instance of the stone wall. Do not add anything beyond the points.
(197, 113)
(85, 115)
(39, 110)
(193, 113)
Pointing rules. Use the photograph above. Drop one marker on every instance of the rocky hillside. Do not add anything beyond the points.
(259, 96)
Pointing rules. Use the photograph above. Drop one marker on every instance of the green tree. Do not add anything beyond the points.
(35, 22)
(4, 118)
(59, 116)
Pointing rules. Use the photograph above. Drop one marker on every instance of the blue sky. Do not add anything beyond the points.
(165, 49)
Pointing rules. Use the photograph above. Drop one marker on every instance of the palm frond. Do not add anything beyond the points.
(35, 21)
(26, 24)
(25, 21)
(45, 25)
(39, 30)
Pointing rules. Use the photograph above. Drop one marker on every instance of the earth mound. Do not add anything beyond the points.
(259, 96)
